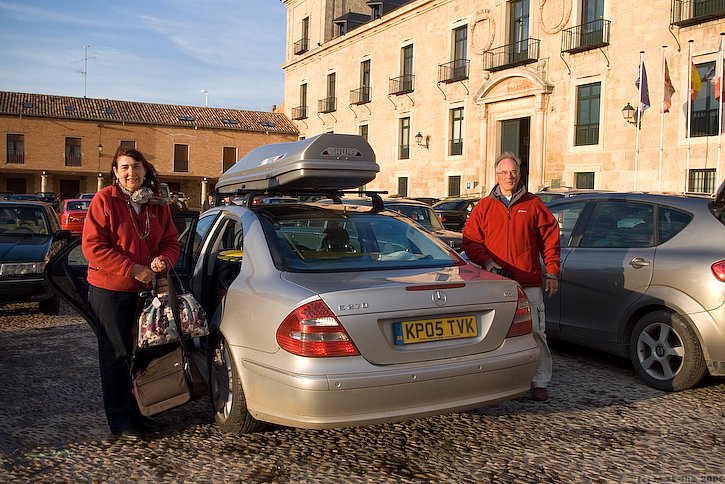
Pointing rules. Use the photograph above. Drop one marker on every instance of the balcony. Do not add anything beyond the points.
(301, 46)
(361, 96)
(511, 55)
(327, 105)
(586, 134)
(15, 156)
(401, 85)
(73, 159)
(586, 36)
(453, 71)
(299, 112)
(693, 12)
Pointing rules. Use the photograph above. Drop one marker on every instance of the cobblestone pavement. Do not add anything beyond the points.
(600, 425)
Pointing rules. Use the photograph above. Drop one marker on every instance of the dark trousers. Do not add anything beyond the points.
(117, 314)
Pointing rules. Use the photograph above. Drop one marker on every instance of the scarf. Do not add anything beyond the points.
(142, 195)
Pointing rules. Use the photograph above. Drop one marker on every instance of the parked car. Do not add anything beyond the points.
(30, 235)
(453, 212)
(643, 276)
(5, 195)
(24, 196)
(86, 196)
(332, 315)
(49, 197)
(426, 200)
(422, 213)
(73, 214)
(549, 194)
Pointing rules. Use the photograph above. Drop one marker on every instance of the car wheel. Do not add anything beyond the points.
(665, 352)
(226, 394)
(49, 306)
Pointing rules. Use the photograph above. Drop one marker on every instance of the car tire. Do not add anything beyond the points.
(666, 353)
(226, 394)
(49, 306)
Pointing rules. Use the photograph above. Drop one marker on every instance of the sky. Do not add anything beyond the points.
(157, 51)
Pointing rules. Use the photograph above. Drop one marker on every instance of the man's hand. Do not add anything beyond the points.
(551, 286)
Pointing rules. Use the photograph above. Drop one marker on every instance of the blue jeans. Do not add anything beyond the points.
(116, 314)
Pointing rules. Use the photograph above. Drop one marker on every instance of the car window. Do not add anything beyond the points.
(618, 224)
(423, 215)
(452, 205)
(567, 216)
(202, 228)
(24, 220)
(358, 241)
(671, 222)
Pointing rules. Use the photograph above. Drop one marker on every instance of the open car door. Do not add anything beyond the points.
(66, 271)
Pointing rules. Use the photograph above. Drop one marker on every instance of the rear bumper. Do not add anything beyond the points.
(383, 394)
(711, 328)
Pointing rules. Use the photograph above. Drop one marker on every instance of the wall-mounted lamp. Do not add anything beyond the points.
(421, 141)
(631, 115)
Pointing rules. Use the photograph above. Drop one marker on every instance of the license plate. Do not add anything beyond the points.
(425, 330)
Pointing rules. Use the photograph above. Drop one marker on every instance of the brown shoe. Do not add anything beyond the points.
(539, 394)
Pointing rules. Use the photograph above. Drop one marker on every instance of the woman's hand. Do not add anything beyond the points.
(158, 265)
(142, 273)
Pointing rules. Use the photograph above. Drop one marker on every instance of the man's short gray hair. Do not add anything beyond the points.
(507, 155)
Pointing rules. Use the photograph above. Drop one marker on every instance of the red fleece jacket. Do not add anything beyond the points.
(112, 244)
(514, 236)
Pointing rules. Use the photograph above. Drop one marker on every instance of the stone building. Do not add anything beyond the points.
(65, 144)
(441, 87)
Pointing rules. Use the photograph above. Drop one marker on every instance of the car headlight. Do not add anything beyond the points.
(19, 268)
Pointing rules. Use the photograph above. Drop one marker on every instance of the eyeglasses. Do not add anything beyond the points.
(513, 173)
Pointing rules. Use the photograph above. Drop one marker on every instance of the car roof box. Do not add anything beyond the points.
(322, 162)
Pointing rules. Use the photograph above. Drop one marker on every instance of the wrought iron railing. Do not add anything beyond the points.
(453, 71)
(361, 95)
(586, 134)
(299, 112)
(402, 84)
(16, 157)
(327, 105)
(73, 159)
(587, 36)
(511, 55)
(693, 12)
(455, 146)
(301, 46)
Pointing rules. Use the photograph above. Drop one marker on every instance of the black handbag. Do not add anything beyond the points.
(170, 379)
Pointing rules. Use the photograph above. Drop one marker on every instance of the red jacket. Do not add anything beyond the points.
(514, 236)
(112, 244)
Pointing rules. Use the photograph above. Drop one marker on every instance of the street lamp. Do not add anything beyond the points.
(419, 140)
(100, 153)
(631, 115)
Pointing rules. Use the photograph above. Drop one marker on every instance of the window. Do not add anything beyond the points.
(518, 30)
(406, 63)
(15, 148)
(404, 140)
(454, 186)
(592, 22)
(128, 144)
(459, 69)
(704, 113)
(403, 186)
(303, 45)
(619, 224)
(300, 112)
(365, 81)
(567, 217)
(328, 104)
(363, 131)
(456, 127)
(702, 180)
(72, 152)
(229, 157)
(587, 115)
(181, 158)
(584, 180)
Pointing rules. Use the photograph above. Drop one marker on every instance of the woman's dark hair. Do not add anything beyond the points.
(150, 180)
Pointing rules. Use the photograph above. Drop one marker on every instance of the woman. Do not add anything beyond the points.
(129, 239)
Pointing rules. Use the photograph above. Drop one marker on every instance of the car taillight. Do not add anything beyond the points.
(718, 269)
(441, 218)
(313, 330)
(521, 324)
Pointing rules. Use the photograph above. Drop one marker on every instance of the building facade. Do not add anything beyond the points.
(441, 87)
(65, 144)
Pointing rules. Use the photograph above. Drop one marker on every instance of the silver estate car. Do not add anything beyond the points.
(643, 276)
(332, 315)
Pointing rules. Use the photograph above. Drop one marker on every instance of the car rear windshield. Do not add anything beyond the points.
(331, 241)
(22, 221)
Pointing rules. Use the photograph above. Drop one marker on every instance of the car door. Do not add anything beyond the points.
(606, 268)
(66, 271)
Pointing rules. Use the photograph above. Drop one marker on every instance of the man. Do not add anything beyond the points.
(177, 204)
(509, 230)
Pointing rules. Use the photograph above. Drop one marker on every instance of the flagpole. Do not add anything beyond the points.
(662, 115)
(639, 120)
(719, 117)
(690, 66)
